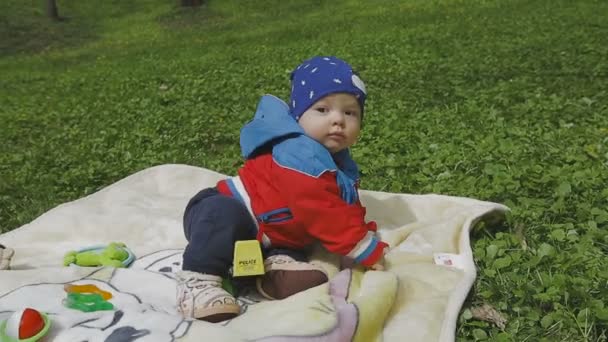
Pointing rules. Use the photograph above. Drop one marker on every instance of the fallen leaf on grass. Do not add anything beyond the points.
(520, 235)
(487, 313)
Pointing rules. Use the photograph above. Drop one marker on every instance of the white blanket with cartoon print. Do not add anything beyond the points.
(430, 270)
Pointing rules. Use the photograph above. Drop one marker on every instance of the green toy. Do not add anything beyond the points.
(87, 302)
(115, 254)
(228, 286)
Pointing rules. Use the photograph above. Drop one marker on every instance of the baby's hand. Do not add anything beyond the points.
(377, 267)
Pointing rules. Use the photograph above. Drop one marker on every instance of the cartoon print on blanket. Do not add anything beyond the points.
(143, 296)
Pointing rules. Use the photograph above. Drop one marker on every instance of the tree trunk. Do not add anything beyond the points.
(190, 3)
(51, 9)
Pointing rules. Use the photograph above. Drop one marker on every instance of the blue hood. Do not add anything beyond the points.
(271, 122)
(292, 148)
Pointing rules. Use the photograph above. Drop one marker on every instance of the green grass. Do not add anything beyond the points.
(504, 101)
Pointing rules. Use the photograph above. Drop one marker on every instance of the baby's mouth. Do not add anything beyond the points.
(340, 136)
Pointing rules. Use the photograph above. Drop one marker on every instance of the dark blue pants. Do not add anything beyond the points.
(213, 222)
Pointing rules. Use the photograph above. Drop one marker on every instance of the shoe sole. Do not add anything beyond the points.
(280, 284)
(218, 313)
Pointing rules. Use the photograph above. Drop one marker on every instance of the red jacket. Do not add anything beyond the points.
(293, 209)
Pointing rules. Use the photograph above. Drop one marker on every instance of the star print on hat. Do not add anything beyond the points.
(321, 76)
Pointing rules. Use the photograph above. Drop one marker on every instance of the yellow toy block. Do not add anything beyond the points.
(248, 259)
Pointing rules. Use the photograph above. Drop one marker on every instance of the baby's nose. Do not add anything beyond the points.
(338, 117)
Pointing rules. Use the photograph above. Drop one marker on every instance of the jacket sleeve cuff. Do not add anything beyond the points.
(369, 250)
(376, 255)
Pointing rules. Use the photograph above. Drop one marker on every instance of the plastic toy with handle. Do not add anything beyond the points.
(27, 325)
(248, 259)
(113, 255)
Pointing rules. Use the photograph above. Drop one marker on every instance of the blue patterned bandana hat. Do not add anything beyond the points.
(321, 76)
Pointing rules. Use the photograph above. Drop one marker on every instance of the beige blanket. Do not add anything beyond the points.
(430, 270)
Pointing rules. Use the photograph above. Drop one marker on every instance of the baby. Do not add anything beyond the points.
(298, 186)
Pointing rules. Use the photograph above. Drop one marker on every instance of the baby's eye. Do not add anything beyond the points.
(353, 113)
(321, 109)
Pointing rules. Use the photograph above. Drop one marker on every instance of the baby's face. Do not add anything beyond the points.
(334, 121)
